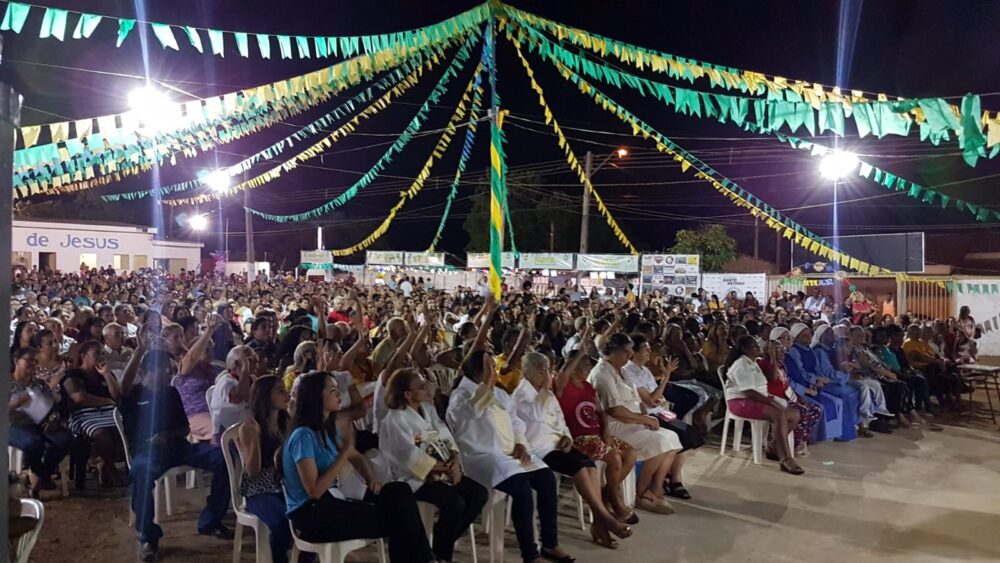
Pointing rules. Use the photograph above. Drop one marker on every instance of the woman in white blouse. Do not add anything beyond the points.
(747, 397)
(494, 452)
(422, 452)
(550, 439)
(655, 447)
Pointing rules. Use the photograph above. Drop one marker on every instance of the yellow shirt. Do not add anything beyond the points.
(510, 380)
(915, 348)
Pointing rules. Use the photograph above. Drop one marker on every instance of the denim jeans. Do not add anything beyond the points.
(42, 450)
(270, 509)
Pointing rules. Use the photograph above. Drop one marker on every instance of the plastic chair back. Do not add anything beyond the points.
(25, 544)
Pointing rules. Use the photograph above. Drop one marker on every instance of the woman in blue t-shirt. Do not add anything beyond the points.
(314, 457)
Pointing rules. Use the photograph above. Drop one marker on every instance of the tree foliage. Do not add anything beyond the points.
(716, 247)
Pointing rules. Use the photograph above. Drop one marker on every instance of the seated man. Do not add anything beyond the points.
(157, 429)
(921, 357)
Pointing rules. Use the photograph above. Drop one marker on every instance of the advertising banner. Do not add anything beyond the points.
(624, 263)
(546, 261)
(675, 275)
(384, 258)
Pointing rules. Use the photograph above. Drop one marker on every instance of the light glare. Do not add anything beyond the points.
(219, 181)
(838, 164)
(198, 222)
(152, 106)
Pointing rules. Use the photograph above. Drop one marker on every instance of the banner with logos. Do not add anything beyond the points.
(424, 258)
(624, 263)
(546, 261)
(316, 257)
(981, 297)
(722, 284)
(675, 275)
(477, 260)
(384, 258)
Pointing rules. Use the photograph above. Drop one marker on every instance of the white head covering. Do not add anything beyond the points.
(777, 332)
(797, 329)
(820, 331)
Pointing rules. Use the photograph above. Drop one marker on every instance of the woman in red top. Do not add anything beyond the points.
(773, 366)
(585, 421)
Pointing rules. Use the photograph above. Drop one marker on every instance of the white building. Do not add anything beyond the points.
(64, 246)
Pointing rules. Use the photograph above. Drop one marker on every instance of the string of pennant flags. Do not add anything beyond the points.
(55, 23)
(741, 112)
(458, 62)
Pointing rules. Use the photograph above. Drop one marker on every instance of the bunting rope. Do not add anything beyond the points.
(879, 118)
(737, 109)
(397, 76)
(398, 145)
(470, 137)
(442, 145)
(740, 197)
(237, 114)
(571, 159)
(55, 20)
(966, 120)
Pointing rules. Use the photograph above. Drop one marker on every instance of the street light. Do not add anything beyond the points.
(198, 222)
(838, 164)
(218, 181)
(153, 106)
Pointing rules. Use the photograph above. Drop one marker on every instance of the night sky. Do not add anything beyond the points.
(911, 49)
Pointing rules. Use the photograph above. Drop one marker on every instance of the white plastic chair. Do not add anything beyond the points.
(494, 518)
(332, 552)
(16, 457)
(243, 518)
(758, 432)
(428, 512)
(32, 509)
(164, 483)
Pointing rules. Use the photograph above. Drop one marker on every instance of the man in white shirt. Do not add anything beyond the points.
(55, 324)
(115, 351)
(405, 286)
(814, 303)
(124, 315)
(230, 401)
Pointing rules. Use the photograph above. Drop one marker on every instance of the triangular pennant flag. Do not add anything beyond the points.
(215, 38)
(53, 24)
(241, 43)
(15, 16)
(165, 35)
(264, 44)
(86, 25)
(194, 38)
(124, 28)
(303, 46)
(285, 46)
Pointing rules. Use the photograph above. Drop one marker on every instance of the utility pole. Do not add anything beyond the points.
(10, 120)
(552, 236)
(251, 260)
(777, 249)
(588, 164)
(756, 242)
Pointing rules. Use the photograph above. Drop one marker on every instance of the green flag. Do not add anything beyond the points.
(264, 44)
(53, 24)
(124, 28)
(86, 25)
(215, 37)
(194, 38)
(285, 45)
(14, 18)
(241, 44)
(164, 34)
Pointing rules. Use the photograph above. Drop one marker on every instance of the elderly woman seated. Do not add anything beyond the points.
(549, 438)
(627, 421)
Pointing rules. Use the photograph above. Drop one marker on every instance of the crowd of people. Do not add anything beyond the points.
(445, 398)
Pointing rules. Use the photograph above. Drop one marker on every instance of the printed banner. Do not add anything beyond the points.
(384, 258)
(546, 261)
(722, 284)
(477, 260)
(424, 258)
(983, 301)
(316, 257)
(624, 263)
(675, 275)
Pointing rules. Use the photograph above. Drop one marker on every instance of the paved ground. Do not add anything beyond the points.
(911, 496)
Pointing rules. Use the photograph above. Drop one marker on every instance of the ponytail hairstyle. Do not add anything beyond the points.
(743, 346)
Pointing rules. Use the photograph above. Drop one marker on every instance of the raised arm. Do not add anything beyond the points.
(197, 350)
(562, 378)
(484, 329)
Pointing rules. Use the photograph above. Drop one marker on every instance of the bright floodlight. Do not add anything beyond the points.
(838, 164)
(622, 153)
(219, 180)
(198, 222)
(151, 105)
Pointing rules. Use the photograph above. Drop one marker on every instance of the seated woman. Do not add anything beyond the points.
(772, 363)
(51, 367)
(196, 375)
(651, 395)
(315, 455)
(260, 438)
(93, 392)
(655, 447)
(422, 453)
(549, 438)
(304, 361)
(588, 426)
(747, 397)
(494, 452)
(35, 426)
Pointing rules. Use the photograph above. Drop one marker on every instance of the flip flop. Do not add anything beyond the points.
(677, 490)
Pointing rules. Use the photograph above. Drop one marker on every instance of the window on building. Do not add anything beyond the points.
(22, 259)
(120, 262)
(141, 261)
(88, 260)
